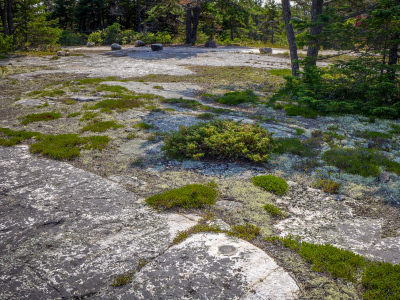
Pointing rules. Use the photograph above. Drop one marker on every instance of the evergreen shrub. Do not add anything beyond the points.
(271, 184)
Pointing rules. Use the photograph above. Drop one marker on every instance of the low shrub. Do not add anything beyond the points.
(101, 126)
(293, 110)
(273, 210)
(47, 116)
(271, 184)
(189, 196)
(364, 162)
(68, 38)
(395, 129)
(15, 137)
(247, 231)
(327, 186)
(74, 114)
(235, 98)
(381, 281)
(220, 139)
(67, 146)
(143, 125)
(206, 116)
(185, 103)
(296, 146)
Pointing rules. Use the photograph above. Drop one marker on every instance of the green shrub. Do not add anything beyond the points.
(88, 116)
(110, 33)
(294, 110)
(395, 129)
(67, 146)
(6, 44)
(96, 37)
(273, 210)
(281, 72)
(364, 162)
(296, 146)
(206, 116)
(220, 139)
(327, 186)
(101, 126)
(246, 232)
(300, 131)
(74, 115)
(68, 38)
(189, 196)
(143, 125)
(15, 137)
(372, 135)
(121, 280)
(125, 37)
(47, 116)
(235, 98)
(382, 281)
(271, 184)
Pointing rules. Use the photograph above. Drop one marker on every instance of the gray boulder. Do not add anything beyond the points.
(266, 50)
(156, 47)
(211, 44)
(90, 44)
(115, 47)
(139, 43)
(61, 53)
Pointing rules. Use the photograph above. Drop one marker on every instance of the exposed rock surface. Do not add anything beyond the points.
(115, 47)
(266, 50)
(90, 44)
(139, 43)
(156, 47)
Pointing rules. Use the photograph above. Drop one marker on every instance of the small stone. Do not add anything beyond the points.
(90, 44)
(227, 249)
(61, 53)
(246, 220)
(139, 43)
(211, 44)
(156, 47)
(265, 50)
(115, 47)
(10, 64)
(384, 177)
(67, 53)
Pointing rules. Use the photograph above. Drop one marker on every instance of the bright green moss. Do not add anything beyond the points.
(189, 196)
(271, 184)
(247, 231)
(235, 98)
(42, 117)
(10, 137)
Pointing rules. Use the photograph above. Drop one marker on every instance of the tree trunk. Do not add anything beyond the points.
(287, 15)
(3, 14)
(196, 17)
(313, 48)
(188, 25)
(138, 16)
(10, 19)
(393, 49)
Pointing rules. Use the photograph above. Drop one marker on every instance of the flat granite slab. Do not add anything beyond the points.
(66, 234)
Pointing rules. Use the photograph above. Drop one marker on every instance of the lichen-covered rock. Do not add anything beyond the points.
(156, 47)
(265, 50)
(90, 44)
(61, 53)
(115, 47)
(139, 43)
(211, 44)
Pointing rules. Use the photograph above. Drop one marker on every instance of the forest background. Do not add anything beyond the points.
(367, 84)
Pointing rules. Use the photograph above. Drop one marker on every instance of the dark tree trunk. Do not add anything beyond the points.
(393, 50)
(196, 17)
(3, 14)
(188, 25)
(10, 19)
(287, 15)
(313, 48)
(138, 16)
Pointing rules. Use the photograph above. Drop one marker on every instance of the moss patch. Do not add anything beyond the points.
(327, 186)
(10, 137)
(235, 98)
(67, 146)
(189, 196)
(274, 211)
(293, 110)
(247, 231)
(296, 146)
(47, 116)
(364, 162)
(271, 184)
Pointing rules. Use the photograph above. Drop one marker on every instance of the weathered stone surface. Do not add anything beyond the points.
(266, 50)
(211, 44)
(90, 44)
(156, 47)
(115, 47)
(33, 102)
(139, 43)
(83, 98)
(61, 53)
(210, 266)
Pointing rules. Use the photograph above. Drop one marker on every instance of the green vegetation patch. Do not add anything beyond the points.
(300, 131)
(67, 146)
(293, 110)
(116, 104)
(47, 116)
(143, 125)
(185, 103)
(372, 135)
(274, 211)
(271, 184)
(116, 89)
(121, 280)
(247, 231)
(235, 98)
(395, 129)
(88, 116)
(297, 147)
(189, 196)
(380, 280)
(220, 139)
(364, 162)
(74, 115)
(101, 126)
(280, 72)
(327, 186)
(15, 137)
(206, 116)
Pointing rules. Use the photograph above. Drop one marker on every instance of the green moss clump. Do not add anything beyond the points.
(220, 139)
(206, 116)
(117, 104)
(327, 186)
(293, 110)
(189, 196)
(143, 125)
(380, 280)
(121, 280)
(88, 116)
(300, 131)
(15, 137)
(74, 115)
(273, 210)
(246, 232)
(372, 135)
(47, 116)
(271, 183)
(297, 147)
(117, 89)
(67, 146)
(101, 126)
(364, 162)
(191, 104)
(235, 98)
(395, 129)
(183, 235)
